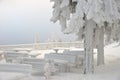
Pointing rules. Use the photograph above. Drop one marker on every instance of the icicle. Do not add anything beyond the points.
(66, 12)
(63, 22)
(56, 11)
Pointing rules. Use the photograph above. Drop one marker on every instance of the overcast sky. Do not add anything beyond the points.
(21, 19)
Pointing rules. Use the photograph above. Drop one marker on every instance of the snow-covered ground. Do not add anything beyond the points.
(109, 71)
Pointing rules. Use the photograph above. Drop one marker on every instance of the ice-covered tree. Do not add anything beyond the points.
(112, 32)
(89, 19)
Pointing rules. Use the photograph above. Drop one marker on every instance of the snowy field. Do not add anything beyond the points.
(110, 71)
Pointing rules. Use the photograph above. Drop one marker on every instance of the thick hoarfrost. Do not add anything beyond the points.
(72, 14)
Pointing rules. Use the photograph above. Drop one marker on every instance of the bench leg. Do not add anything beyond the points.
(47, 76)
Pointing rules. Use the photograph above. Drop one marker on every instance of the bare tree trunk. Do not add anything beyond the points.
(100, 54)
(88, 45)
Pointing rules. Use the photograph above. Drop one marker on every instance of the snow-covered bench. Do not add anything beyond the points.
(74, 52)
(17, 68)
(11, 56)
(37, 64)
(79, 56)
(62, 57)
(64, 62)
